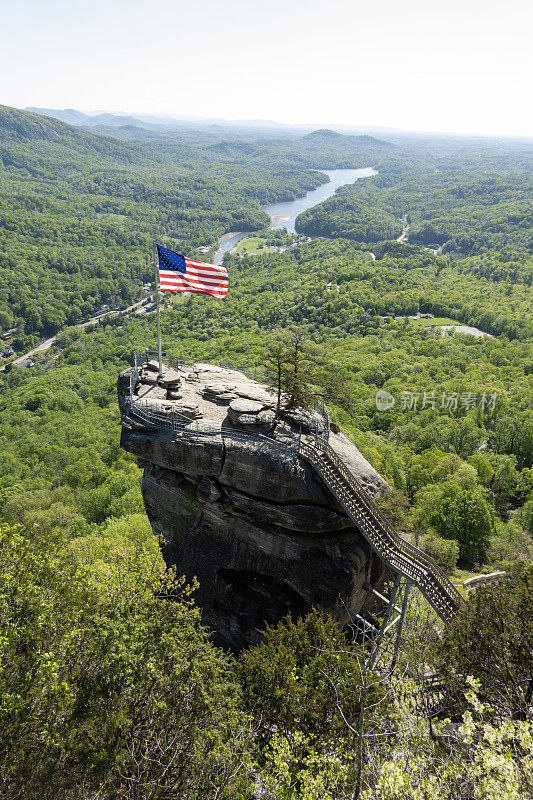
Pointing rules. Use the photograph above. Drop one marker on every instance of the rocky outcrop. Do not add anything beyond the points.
(235, 505)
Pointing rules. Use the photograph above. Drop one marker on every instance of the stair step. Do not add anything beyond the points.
(378, 532)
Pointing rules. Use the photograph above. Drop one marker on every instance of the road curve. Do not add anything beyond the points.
(93, 321)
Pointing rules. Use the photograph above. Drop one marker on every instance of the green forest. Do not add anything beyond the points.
(106, 689)
(79, 211)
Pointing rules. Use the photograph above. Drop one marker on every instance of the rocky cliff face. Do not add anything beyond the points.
(245, 514)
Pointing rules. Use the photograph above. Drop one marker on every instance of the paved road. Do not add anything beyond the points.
(93, 321)
(405, 232)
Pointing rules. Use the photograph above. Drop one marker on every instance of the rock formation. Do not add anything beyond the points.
(235, 504)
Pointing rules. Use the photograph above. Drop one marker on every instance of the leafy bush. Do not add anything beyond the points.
(490, 638)
(109, 694)
(444, 551)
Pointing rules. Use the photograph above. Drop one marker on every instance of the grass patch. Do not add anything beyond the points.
(252, 245)
(427, 323)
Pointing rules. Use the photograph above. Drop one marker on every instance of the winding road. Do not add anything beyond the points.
(47, 344)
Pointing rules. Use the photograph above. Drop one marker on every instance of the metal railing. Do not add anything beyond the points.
(400, 556)
(253, 372)
(181, 428)
(483, 580)
(173, 420)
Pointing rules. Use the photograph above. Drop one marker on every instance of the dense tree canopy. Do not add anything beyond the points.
(106, 689)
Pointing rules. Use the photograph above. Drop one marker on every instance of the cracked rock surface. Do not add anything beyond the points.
(246, 515)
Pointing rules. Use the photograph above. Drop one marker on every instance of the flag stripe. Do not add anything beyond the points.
(195, 284)
(187, 288)
(194, 279)
(182, 283)
(180, 274)
(198, 268)
(198, 282)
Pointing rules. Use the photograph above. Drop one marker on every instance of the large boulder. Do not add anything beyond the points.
(243, 512)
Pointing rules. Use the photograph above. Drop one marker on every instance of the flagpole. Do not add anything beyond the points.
(156, 266)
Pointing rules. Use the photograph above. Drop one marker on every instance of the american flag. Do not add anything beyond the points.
(180, 274)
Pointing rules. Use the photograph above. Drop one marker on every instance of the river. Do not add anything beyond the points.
(283, 215)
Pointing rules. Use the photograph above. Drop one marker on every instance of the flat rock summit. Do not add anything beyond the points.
(235, 504)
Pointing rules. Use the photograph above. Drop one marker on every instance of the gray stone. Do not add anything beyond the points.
(218, 393)
(187, 411)
(248, 414)
(215, 388)
(262, 422)
(357, 464)
(251, 573)
(248, 517)
(202, 455)
(255, 393)
(305, 518)
(148, 376)
(154, 392)
(170, 379)
(266, 417)
(207, 491)
(306, 421)
(243, 406)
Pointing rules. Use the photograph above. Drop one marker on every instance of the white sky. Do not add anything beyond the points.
(441, 65)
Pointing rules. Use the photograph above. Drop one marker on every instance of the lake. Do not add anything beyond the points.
(284, 215)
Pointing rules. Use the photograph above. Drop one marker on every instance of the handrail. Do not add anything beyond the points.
(399, 555)
(178, 363)
(190, 428)
(258, 375)
(388, 544)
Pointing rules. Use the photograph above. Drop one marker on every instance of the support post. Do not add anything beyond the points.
(383, 626)
(400, 624)
(156, 267)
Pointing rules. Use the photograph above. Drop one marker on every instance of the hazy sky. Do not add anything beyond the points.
(442, 65)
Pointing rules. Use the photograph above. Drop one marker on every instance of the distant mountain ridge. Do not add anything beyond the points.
(78, 118)
(27, 125)
(152, 122)
(327, 135)
(319, 149)
(44, 146)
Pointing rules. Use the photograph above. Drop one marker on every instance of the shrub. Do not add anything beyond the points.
(444, 551)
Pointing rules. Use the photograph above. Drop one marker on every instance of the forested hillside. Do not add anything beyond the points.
(109, 691)
(78, 211)
(468, 206)
(84, 238)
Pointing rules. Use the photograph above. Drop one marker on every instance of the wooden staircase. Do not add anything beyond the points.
(401, 557)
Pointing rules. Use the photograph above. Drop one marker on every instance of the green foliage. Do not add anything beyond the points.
(300, 373)
(110, 692)
(444, 551)
(344, 215)
(472, 203)
(462, 515)
(491, 639)
(306, 677)
(117, 695)
(482, 761)
(120, 556)
(78, 213)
